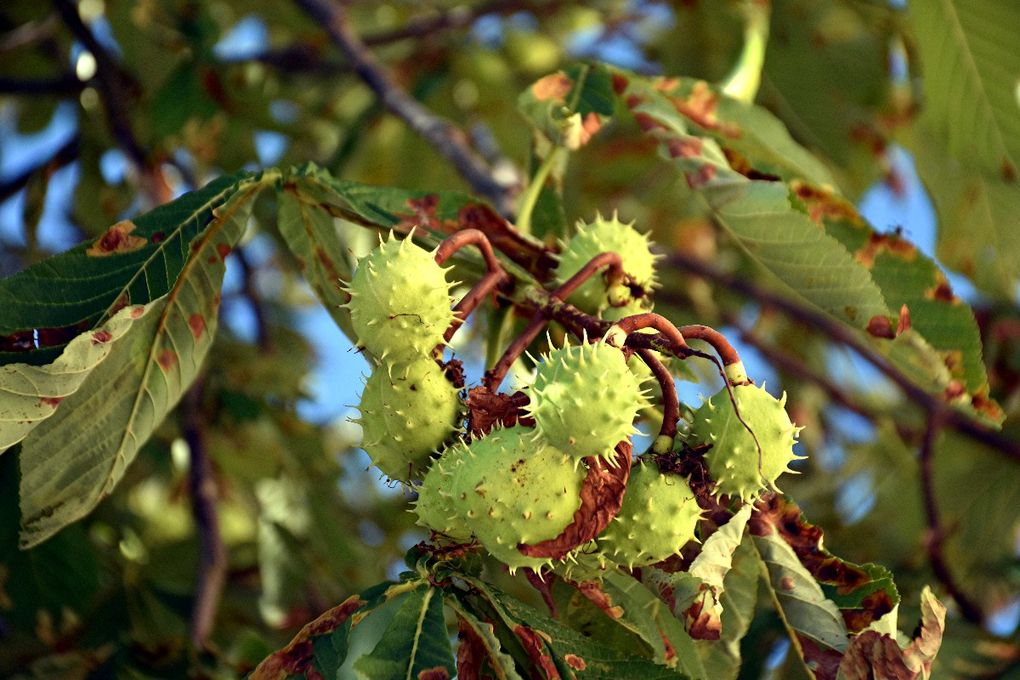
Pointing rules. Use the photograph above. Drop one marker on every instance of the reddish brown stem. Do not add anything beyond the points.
(464, 238)
(637, 322)
(494, 376)
(615, 271)
(488, 283)
(969, 609)
(670, 400)
(463, 309)
(714, 338)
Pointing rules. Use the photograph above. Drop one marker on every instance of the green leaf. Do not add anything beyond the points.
(970, 64)
(551, 644)
(569, 106)
(758, 214)
(74, 458)
(865, 594)
(694, 595)
(805, 610)
(311, 234)
(721, 658)
(499, 663)
(415, 641)
(134, 262)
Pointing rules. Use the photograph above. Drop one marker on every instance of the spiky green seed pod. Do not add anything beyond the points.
(433, 507)
(733, 460)
(657, 518)
(400, 299)
(511, 489)
(584, 399)
(600, 236)
(408, 408)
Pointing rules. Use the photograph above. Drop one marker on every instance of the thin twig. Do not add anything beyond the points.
(116, 87)
(251, 293)
(459, 17)
(969, 609)
(212, 569)
(495, 375)
(443, 135)
(827, 325)
(65, 153)
(65, 84)
(670, 400)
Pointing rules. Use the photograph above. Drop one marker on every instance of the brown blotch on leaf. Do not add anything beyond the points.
(101, 336)
(1008, 171)
(437, 673)
(593, 592)
(986, 406)
(684, 147)
(222, 249)
(786, 583)
(158, 237)
(648, 122)
(698, 179)
(575, 662)
(891, 243)
(742, 164)
(137, 311)
(553, 87)
(873, 655)
(167, 359)
(297, 657)
(903, 324)
(700, 108)
(880, 326)
(116, 239)
(942, 292)
(471, 654)
(534, 645)
(196, 322)
(619, 83)
(702, 623)
(601, 496)
(822, 204)
(487, 410)
(52, 402)
(775, 515)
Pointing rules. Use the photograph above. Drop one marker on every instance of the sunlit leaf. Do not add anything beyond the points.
(75, 457)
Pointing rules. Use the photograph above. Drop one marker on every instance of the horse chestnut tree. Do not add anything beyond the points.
(575, 467)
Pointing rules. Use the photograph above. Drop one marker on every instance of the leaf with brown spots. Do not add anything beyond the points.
(74, 458)
(117, 240)
(864, 593)
(296, 657)
(30, 394)
(695, 595)
(134, 262)
(876, 656)
(571, 106)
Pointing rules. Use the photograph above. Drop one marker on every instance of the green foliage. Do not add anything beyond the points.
(168, 508)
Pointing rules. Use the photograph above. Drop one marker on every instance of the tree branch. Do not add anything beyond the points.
(835, 330)
(66, 153)
(116, 87)
(935, 539)
(212, 570)
(443, 135)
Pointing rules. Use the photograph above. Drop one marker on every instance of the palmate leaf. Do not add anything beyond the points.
(568, 106)
(74, 458)
(721, 658)
(969, 63)
(811, 239)
(479, 638)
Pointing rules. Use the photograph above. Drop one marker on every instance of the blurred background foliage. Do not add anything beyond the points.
(143, 100)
